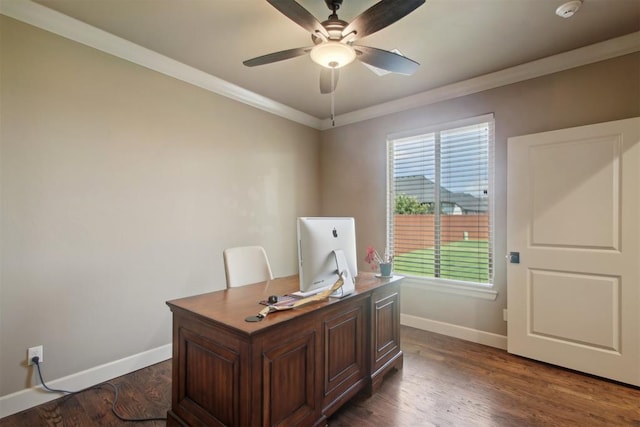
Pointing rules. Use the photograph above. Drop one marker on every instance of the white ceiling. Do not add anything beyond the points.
(453, 40)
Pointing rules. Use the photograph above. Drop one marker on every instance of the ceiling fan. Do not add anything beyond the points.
(334, 38)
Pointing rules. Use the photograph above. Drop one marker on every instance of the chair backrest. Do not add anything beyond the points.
(245, 265)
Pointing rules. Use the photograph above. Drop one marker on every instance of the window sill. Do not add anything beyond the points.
(451, 287)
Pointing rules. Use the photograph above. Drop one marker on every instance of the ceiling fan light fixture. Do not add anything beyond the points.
(333, 54)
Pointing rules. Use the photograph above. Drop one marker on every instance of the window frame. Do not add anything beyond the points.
(475, 289)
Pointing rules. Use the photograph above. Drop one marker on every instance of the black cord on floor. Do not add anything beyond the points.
(36, 362)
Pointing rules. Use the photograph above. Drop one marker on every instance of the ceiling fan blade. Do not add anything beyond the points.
(276, 56)
(379, 16)
(298, 14)
(325, 80)
(386, 60)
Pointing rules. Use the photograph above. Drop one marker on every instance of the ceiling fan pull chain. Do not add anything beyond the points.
(333, 91)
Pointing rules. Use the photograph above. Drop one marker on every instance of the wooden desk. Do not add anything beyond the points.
(295, 367)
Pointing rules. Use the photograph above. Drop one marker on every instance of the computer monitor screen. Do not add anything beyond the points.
(318, 237)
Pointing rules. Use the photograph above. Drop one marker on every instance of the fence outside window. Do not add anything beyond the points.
(443, 177)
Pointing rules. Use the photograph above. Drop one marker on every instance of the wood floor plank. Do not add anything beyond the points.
(449, 382)
(445, 382)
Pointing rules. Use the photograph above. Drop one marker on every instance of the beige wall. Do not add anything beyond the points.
(120, 189)
(353, 162)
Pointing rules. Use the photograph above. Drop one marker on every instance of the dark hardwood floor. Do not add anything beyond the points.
(142, 394)
(450, 382)
(444, 382)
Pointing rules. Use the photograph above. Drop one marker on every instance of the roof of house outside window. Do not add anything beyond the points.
(422, 188)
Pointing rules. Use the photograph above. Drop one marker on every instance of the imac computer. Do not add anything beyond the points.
(326, 246)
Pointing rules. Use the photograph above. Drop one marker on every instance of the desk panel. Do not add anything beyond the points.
(295, 367)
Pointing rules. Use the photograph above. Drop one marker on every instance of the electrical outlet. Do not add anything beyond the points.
(33, 352)
(505, 315)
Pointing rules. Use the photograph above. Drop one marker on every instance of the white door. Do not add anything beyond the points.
(573, 215)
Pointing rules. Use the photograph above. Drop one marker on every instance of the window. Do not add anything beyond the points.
(440, 189)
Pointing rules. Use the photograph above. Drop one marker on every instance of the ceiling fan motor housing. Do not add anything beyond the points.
(334, 27)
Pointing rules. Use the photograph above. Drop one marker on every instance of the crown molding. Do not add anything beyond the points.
(608, 49)
(70, 28)
(78, 31)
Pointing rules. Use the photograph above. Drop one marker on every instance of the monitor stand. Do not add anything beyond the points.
(349, 281)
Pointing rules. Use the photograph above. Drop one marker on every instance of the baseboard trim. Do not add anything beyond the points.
(34, 396)
(456, 331)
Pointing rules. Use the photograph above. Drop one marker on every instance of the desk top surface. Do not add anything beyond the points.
(229, 307)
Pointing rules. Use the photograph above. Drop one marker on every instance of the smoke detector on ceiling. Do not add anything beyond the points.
(568, 9)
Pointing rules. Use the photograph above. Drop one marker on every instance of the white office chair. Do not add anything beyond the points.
(245, 265)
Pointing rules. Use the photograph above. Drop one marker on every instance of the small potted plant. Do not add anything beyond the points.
(383, 264)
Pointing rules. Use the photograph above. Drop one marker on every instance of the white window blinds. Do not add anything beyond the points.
(440, 198)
